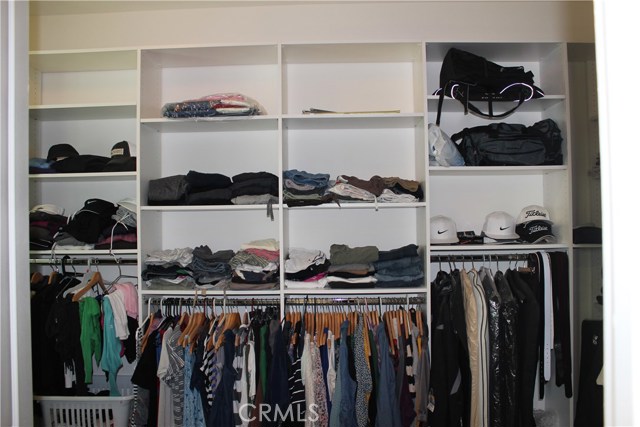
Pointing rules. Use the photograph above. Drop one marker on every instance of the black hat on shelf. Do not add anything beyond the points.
(537, 231)
(121, 160)
(60, 152)
(120, 149)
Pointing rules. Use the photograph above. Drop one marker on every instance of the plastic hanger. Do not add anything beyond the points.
(120, 275)
(54, 270)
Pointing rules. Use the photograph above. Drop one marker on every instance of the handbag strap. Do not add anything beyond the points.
(469, 107)
(440, 102)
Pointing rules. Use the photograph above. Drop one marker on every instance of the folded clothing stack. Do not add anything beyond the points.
(376, 189)
(99, 224)
(200, 188)
(400, 267)
(352, 268)
(44, 222)
(123, 234)
(256, 266)
(168, 268)
(210, 267)
(306, 269)
(302, 188)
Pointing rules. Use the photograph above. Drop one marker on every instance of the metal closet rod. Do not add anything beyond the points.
(355, 301)
(479, 257)
(207, 300)
(83, 261)
(275, 301)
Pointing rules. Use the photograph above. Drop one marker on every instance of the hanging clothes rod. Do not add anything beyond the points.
(208, 300)
(479, 257)
(355, 301)
(83, 261)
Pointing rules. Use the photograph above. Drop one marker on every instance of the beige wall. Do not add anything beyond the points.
(160, 23)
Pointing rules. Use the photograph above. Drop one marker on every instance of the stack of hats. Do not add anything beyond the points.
(534, 225)
(64, 158)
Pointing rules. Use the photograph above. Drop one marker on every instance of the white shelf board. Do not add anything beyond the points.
(495, 170)
(587, 246)
(442, 249)
(110, 176)
(207, 292)
(84, 253)
(368, 292)
(454, 106)
(98, 111)
(363, 205)
(208, 124)
(204, 208)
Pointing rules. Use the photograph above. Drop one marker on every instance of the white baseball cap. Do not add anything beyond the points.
(48, 208)
(533, 213)
(500, 225)
(129, 204)
(443, 230)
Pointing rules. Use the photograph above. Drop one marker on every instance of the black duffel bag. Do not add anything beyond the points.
(468, 77)
(504, 144)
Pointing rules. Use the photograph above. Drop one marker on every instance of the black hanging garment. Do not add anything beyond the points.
(562, 320)
(450, 358)
(528, 342)
(589, 408)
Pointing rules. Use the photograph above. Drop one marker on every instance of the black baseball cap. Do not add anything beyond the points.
(120, 149)
(537, 231)
(121, 160)
(61, 152)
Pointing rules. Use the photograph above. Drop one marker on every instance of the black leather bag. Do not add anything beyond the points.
(468, 77)
(504, 144)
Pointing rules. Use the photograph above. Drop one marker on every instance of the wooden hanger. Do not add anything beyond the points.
(182, 340)
(367, 346)
(231, 322)
(197, 330)
(145, 338)
(52, 277)
(36, 277)
(96, 279)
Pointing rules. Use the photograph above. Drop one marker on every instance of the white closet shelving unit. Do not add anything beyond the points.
(87, 99)
(467, 194)
(93, 99)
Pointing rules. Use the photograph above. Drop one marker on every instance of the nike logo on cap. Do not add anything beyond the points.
(441, 232)
(503, 228)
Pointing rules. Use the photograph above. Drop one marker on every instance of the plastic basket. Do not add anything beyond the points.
(86, 411)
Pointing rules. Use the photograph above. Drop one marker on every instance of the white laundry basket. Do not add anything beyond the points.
(86, 411)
